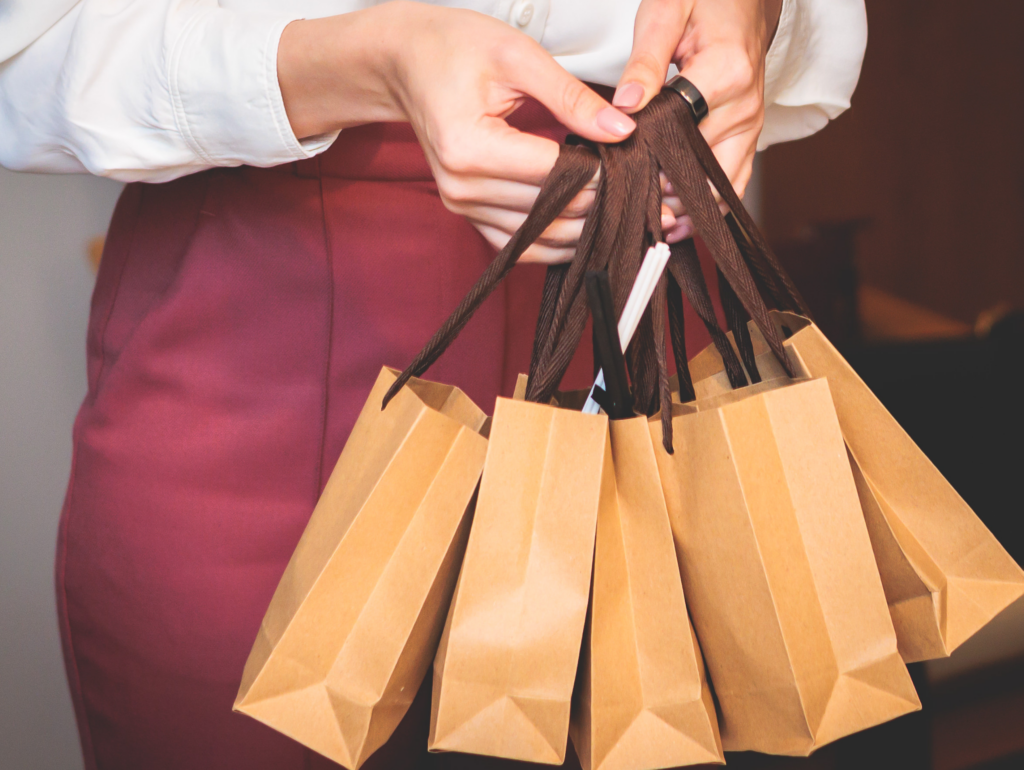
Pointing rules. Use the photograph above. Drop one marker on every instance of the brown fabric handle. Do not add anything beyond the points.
(602, 238)
(736, 319)
(685, 268)
(677, 330)
(760, 254)
(624, 220)
(553, 280)
(667, 125)
(573, 169)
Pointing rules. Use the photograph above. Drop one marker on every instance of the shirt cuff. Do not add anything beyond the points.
(222, 77)
(812, 67)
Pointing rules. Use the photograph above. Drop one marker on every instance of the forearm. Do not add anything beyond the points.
(338, 72)
(147, 90)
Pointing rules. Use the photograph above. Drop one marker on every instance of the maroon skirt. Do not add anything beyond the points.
(239, 320)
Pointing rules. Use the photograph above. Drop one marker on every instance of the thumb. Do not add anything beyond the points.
(658, 30)
(574, 105)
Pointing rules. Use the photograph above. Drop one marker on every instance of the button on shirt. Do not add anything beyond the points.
(150, 90)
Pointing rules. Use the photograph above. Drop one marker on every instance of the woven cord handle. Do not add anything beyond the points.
(572, 172)
(750, 240)
(666, 125)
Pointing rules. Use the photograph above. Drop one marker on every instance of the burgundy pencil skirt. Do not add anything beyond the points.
(239, 319)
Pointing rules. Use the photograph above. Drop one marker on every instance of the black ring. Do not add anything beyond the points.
(690, 95)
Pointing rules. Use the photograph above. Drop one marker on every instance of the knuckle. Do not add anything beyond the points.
(455, 156)
(575, 96)
(454, 191)
(579, 205)
(738, 74)
(645, 68)
(515, 52)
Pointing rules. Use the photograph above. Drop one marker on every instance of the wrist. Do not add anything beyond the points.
(338, 72)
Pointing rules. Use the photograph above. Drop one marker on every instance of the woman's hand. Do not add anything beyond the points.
(720, 46)
(455, 75)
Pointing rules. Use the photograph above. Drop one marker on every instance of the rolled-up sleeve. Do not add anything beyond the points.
(812, 67)
(149, 91)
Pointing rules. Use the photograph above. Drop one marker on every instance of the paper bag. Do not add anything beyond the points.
(354, 624)
(778, 570)
(504, 671)
(945, 575)
(642, 700)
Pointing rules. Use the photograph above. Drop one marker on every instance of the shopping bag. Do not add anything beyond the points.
(354, 623)
(642, 699)
(778, 570)
(945, 575)
(504, 671)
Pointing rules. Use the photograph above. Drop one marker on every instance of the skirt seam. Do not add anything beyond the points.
(329, 254)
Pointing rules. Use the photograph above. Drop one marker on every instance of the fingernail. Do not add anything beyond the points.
(668, 221)
(628, 95)
(669, 189)
(680, 232)
(614, 122)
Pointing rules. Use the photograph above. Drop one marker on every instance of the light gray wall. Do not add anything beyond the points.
(45, 285)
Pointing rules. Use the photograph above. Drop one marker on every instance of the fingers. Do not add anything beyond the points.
(575, 105)
(657, 32)
(562, 233)
(682, 230)
(536, 253)
(674, 205)
(462, 196)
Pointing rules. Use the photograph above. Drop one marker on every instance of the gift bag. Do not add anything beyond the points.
(504, 671)
(945, 575)
(642, 700)
(778, 570)
(352, 628)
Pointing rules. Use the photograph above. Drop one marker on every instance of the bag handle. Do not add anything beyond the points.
(669, 132)
(748, 236)
(573, 170)
(685, 268)
(608, 236)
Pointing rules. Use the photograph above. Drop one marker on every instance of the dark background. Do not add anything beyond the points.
(902, 223)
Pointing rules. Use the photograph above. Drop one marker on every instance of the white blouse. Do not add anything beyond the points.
(152, 90)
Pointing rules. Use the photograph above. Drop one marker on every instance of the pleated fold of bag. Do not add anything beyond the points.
(352, 628)
(945, 574)
(642, 698)
(778, 569)
(505, 668)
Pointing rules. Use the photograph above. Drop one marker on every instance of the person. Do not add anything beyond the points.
(314, 185)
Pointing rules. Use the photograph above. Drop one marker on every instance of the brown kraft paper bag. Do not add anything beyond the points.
(504, 671)
(642, 700)
(354, 623)
(778, 569)
(945, 575)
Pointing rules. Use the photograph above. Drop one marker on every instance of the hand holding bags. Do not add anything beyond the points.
(353, 625)
(755, 502)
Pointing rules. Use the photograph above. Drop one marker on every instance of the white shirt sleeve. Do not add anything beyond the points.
(812, 67)
(152, 90)
(148, 90)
